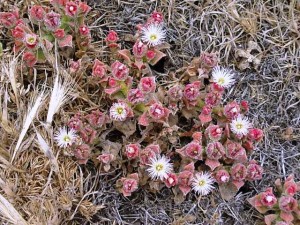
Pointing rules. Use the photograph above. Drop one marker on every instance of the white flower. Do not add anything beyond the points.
(203, 183)
(65, 137)
(160, 167)
(240, 125)
(222, 76)
(118, 111)
(154, 34)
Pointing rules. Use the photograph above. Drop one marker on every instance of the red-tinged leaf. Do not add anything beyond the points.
(126, 55)
(205, 118)
(190, 167)
(213, 164)
(158, 56)
(112, 90)
(127, 127)
(139, 64)
(185, 189)
(228, 191)
(66, 41)
(287, 217)
(143, 120)
(270, 218)
(238, 184)
(178, 196)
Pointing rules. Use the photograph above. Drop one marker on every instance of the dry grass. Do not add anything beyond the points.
(45, 187)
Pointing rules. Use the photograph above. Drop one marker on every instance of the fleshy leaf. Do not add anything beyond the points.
(66, 41)
(228, 191)
(158, 56)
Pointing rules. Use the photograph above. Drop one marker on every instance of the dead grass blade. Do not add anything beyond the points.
(9, 213)
(32, 111)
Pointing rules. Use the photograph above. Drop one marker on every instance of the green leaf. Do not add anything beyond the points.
(1, 49)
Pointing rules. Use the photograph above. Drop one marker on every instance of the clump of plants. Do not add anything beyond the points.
(171, 131)
(281, 207)
(62, 21)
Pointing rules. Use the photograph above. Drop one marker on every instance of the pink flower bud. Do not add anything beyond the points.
(71, 9)
(150, 54)
(149, 152)
(29, 59)
(244, 106)
(214, 87)
(139, 49)
(88, 134)
(254, 171)
(59, 33)
(9, 19)
(213, 98)
(59, 2)
(99, 69)
(52, 21)
(290, 187)
(82, 153)
(147, 84)
(171, 180)
(37, 13)
(235, 151)
(267, 198)
(205, 115)
(215, 150)
(84, 8)
(238, 172)
(255, 134)
(214, 132)
(185, 181)
(84, 30)
(31, 40)
(112, 36)
(208, 60)
(75, 122)
(119, 71)
(96, 118)
(222, 176)
(175, 93)
(106, 158)
(288, 204)
(192, 150)
(157, 17)
(135, 96)
(129, 184)
(158, 112)
(132, 151)
(192, 91)
(74, 66)
(18, 32)
(232, 110)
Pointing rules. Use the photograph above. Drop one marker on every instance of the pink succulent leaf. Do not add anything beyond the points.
(238, 184)
(232, 110)
(143, 119)
(66, 41)
(126, 55)
(208, 60)
(228, 190)
(113, 90)
(213, 164)
(286, 216)
(190, 167)
(269, 219)
(184, 181)
(222, 176)
(132, 151)
(158, 56)
(205, 118)
(139, 64)
(171, 180)
(112, 36)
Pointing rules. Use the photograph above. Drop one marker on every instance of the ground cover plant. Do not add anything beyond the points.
(129, 112)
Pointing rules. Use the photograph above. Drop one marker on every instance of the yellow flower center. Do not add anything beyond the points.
(67, 138)
(159, 167)
(30, 40)
(239, 126)
(221, 80)
(201, 183)
(120, 110)
(153, 37)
